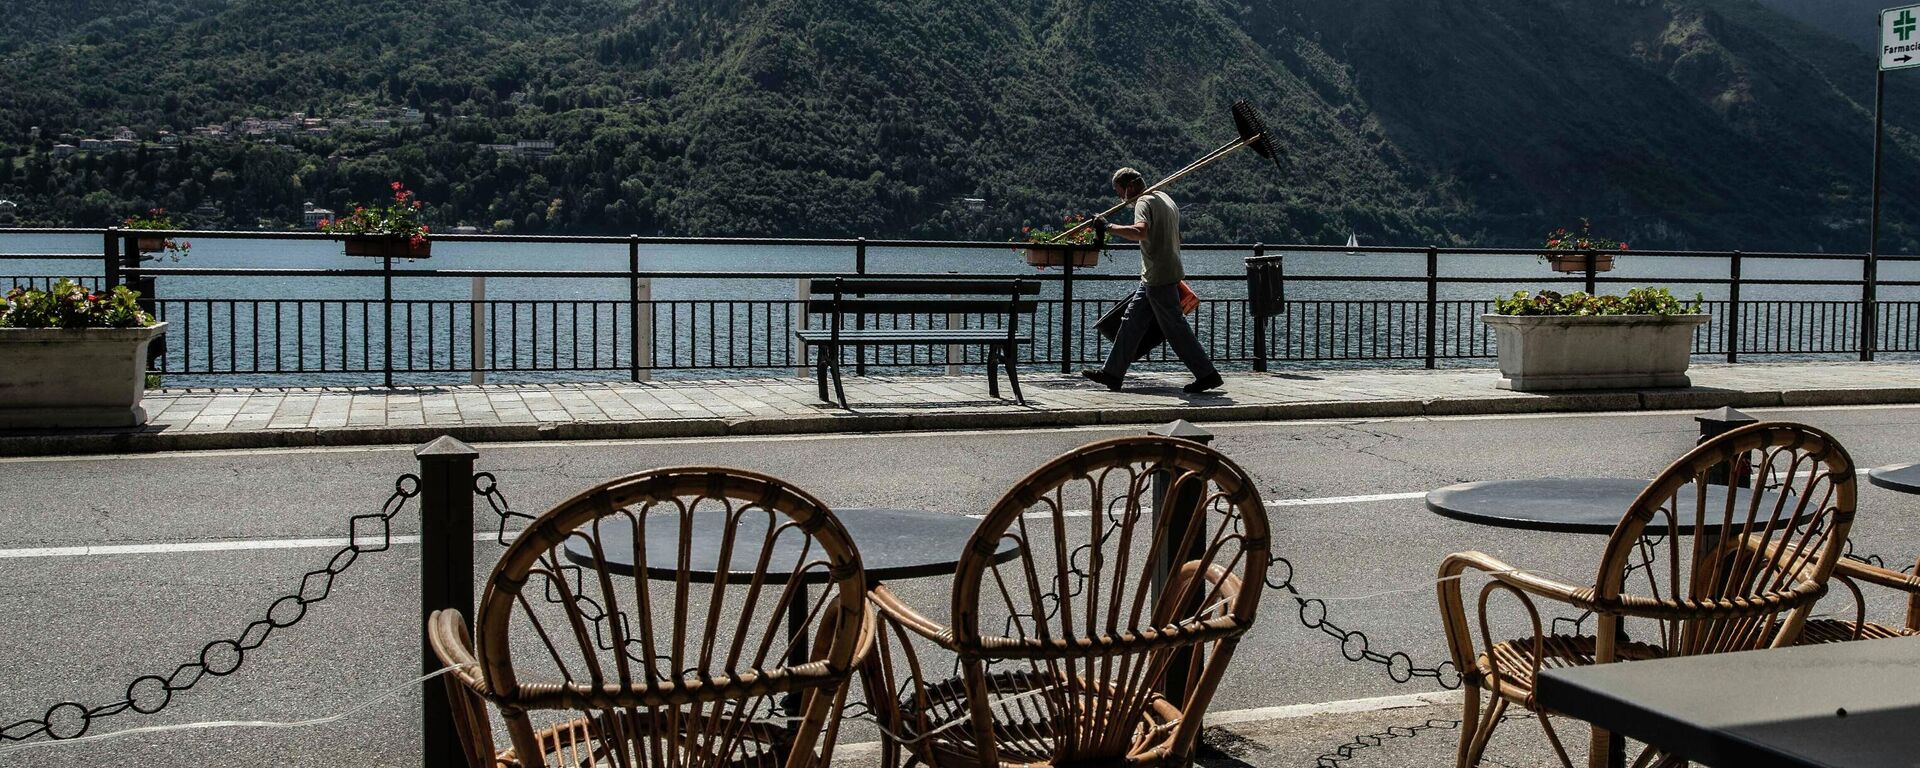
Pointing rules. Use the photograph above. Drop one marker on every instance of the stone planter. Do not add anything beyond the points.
(79, 377)
(1058, 254)
(1541, 353)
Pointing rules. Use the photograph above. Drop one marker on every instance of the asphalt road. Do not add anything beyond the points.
(80, 627)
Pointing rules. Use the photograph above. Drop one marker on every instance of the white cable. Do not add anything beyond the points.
(235, 723)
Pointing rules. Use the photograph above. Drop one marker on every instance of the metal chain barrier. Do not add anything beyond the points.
(148, 694)
(1354, 645)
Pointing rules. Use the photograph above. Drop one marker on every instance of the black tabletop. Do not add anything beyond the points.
(1904, 478)
(1840, 704)
(1566, 504)
(893, 543)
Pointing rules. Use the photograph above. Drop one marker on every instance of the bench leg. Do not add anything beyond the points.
(993, 373)
(820, 371)
(838, 388)
(1013, 373)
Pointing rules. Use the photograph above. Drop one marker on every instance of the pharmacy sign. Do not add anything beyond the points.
(1900, 38)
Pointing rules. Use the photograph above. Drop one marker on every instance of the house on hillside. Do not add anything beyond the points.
(312, 215)
(64, 150)
(9, 210)
(536, 149)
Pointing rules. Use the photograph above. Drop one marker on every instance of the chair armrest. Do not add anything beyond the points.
(1453, 610)
(448, 635)
(1877, 576)
(892, 608)
(1458, 563)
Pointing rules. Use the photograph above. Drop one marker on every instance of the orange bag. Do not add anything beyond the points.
(1189, 302)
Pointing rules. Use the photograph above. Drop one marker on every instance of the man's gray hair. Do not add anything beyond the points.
(1127, 177)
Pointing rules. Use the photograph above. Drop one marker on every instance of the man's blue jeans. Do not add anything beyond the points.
(1147, 304)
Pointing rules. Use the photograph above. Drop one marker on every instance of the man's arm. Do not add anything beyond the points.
(1136, 231)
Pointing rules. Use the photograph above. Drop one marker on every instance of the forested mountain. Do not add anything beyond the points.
(1675, 123)
(1850, 20)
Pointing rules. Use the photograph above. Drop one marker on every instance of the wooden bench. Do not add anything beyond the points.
(842, 301)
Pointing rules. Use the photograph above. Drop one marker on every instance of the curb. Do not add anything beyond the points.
(99, 442)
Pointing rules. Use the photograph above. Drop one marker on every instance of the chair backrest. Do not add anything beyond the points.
(1734, 567)
(1077, 619)
(686, 661)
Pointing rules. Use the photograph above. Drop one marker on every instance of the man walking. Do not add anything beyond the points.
(1156, 227)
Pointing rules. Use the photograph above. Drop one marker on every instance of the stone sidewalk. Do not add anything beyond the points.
(187, 419)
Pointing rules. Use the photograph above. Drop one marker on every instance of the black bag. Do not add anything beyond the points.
(1109, 326)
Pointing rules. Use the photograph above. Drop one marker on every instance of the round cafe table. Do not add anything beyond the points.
(1904, 478)
(893, 544)
(1562, 504)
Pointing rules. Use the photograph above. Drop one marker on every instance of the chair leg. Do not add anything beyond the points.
(1013, 374)
(1482, 732)
(993, 372)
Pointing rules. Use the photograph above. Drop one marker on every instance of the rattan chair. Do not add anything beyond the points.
(1740, 575)
(689, 668)
(1062, 652)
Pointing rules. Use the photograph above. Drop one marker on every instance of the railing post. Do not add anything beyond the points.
(1433, 306)
(635, 296)
(478, 325)
(954, 351)
(643, 329)
(446, 578)
(147, 287)
(1178, 531)
(1256, 305)
(110, 258)
(1593, 259)
(860, 318)
(1066, 301)
(1733, 309)
(802, 287)
(1870, 307)
(386, 318)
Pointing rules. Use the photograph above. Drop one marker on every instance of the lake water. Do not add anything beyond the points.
(741, 261)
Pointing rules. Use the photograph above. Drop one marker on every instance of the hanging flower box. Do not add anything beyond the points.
(382, 246)
(393, 230)
(1060, 254)
(1577, 262)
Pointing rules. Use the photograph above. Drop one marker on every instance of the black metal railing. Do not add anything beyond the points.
(380, 318)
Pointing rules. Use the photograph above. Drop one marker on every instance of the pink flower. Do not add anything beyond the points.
(1623, 246)
(396, 185)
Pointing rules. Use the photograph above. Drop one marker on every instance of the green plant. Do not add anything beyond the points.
(1046, 234)
(158, 218)
(70, 305)
(1638, 301)
(1583, 240)
(400, 218)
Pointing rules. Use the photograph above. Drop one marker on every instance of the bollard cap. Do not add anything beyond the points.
(1184, 430)
(1726, 418)
(445, 448)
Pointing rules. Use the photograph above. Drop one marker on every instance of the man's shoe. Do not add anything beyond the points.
(1202, 384)
(1111, 381)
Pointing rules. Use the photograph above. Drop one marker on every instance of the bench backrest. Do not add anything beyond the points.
(894, 296)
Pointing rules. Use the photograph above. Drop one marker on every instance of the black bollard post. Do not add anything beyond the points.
(1172, 554)
(446, 578)
(1716, 423)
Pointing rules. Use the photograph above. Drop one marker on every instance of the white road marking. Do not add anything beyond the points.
(1217, 426)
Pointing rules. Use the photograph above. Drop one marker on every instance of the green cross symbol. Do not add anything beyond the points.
(1905, 25)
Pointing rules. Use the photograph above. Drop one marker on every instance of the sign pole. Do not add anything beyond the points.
(1868, 319)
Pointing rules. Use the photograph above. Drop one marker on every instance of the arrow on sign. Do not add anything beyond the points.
(1904, 58)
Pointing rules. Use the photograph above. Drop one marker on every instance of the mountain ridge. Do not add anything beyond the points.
(1671, 123)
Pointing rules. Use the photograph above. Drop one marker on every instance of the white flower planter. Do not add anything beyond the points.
(1550, 352)
(78, 377)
